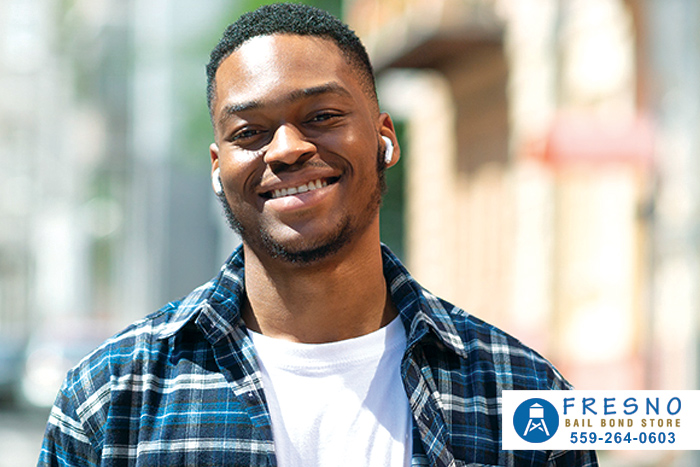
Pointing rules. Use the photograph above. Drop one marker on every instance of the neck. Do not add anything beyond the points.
(334, 299)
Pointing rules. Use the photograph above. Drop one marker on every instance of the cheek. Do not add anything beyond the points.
(231, 184)
(239, 161)
(238, 170)
(359, 147)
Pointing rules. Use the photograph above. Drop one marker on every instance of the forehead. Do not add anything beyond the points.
(267, 66)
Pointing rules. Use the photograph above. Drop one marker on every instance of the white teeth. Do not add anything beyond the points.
(313, 185)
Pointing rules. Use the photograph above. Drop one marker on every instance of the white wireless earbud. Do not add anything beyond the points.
(389, 151)
(216, 181)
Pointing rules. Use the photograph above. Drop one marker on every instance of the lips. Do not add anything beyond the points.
(312, 185)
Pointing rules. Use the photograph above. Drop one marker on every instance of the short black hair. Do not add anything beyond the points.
(291, 18)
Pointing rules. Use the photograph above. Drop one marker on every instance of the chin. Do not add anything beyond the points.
(306, 252)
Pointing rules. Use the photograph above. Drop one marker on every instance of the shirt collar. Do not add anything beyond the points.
(215, 307)
(423, 314)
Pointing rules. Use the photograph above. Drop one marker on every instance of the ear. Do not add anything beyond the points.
(215, 169)
(214, 156)
(386, 129)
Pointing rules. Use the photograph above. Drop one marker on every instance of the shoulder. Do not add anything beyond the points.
(125, 353)
(137, 359)
(121, 365)
(485, 352)
(464, 342)
(514, 364)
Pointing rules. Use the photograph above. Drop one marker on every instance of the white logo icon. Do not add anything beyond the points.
(536, 421)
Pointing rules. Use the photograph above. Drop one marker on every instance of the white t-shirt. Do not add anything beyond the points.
(340, 403)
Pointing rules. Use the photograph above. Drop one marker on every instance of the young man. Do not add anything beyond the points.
(313, 346)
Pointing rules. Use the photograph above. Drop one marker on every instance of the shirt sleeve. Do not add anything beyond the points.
(570, 458)
(66, 440)
(573, 459)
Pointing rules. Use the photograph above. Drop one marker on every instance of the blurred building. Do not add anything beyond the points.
(36, 173)
(106, 210)
(552, 172)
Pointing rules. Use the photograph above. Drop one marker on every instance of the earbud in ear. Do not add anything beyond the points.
(216, 181)
(389, 151)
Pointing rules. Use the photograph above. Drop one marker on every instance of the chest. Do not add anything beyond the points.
(340, 404)
(197, 411)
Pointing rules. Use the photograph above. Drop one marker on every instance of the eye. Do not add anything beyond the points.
(324, 116)
(245, 134)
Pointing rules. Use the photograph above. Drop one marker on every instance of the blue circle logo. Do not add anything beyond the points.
(536, 420)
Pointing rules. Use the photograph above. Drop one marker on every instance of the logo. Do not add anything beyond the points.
(536, 420)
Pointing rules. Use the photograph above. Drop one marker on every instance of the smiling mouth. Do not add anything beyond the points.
(303, 188)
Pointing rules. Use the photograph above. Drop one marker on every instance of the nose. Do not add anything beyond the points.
(288, 146)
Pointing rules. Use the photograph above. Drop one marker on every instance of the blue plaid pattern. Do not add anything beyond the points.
(182, 387)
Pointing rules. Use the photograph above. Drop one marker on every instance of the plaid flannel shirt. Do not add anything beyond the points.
(182, 387)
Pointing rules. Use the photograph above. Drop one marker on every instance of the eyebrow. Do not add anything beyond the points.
(332, 87)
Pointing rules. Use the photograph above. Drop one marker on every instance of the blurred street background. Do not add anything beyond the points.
(549, 184)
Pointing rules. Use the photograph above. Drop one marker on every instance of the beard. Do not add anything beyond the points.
(312, 252)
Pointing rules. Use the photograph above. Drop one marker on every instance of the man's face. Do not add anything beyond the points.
(297, 145)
